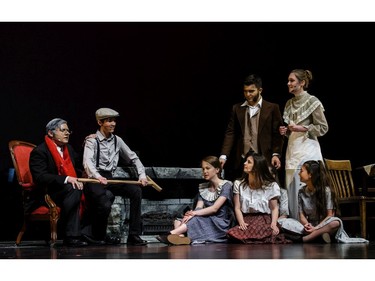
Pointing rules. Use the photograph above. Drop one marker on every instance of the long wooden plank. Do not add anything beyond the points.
(150, 182)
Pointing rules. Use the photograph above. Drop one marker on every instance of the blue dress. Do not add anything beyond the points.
(212, 228)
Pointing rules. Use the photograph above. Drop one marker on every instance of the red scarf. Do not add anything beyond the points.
(64, 165)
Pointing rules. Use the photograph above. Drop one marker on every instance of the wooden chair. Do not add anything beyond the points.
(340, 174)
(20, 153)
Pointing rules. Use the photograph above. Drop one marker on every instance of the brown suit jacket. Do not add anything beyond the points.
(269, 139)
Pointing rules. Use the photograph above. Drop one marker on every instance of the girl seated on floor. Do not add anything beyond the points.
(213, 214)
(256, 206)
(317, 206)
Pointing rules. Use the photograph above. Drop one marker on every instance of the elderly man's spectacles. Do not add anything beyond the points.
(65, 131)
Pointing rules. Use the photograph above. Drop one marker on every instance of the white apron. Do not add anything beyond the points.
(300, 149)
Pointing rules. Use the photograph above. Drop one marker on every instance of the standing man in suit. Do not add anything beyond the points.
(53, 167)
(253, 125)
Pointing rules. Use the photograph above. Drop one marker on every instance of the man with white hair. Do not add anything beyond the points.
(53, 167)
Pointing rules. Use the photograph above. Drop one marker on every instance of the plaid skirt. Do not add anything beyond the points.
(259, 231)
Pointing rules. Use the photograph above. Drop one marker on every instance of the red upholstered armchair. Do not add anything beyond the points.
(20, 153)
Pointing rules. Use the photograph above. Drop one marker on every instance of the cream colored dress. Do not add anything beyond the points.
(308, 111)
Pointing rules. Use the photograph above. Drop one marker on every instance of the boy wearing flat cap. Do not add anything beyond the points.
(100, 159)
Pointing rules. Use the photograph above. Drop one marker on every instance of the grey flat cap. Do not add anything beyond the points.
(104, 113)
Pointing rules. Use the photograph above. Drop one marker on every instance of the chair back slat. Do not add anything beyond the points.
(340, 173)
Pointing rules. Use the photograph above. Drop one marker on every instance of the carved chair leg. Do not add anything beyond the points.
(53, 224)
(20, 234)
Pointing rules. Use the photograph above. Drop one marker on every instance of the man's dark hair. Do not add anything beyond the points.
(253, 79)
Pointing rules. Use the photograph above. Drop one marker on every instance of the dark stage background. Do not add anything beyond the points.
(174, 83)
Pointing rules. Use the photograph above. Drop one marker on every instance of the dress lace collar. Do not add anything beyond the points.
(300, 107)
(209, 195)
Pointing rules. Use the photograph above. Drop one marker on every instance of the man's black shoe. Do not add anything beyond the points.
(92, 241)
(135, 240)
(113, 240)
(74, 242)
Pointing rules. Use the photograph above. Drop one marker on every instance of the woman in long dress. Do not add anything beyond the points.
(305, 119)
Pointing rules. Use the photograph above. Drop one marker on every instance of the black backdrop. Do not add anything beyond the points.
(174, 82)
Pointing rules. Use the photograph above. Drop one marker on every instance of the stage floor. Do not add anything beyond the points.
(157, 261)
(157, 250)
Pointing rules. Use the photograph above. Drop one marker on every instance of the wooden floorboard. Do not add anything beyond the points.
(157, 261)
(156, 250)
